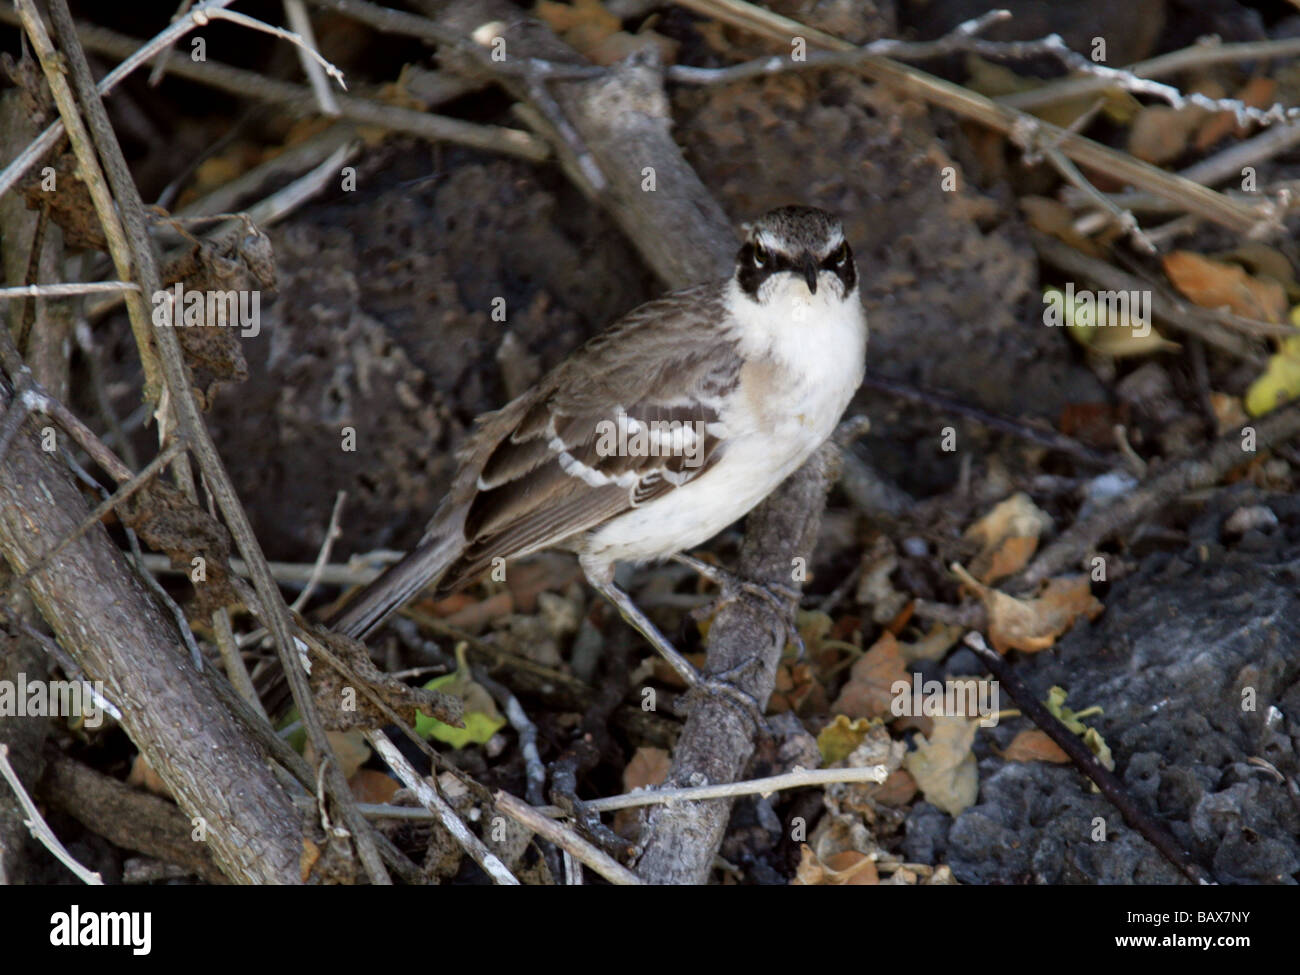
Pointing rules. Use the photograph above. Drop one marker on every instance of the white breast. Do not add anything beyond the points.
(806, 355)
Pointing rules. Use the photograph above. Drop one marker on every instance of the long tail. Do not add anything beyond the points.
(395, 586)
(375, 603)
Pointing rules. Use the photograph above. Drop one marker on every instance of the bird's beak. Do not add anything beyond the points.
(810, 272)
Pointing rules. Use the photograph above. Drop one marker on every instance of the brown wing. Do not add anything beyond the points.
(550, 466)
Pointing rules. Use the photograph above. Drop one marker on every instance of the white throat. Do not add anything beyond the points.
(820, 334)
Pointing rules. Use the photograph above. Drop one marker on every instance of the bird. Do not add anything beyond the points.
(657, 433)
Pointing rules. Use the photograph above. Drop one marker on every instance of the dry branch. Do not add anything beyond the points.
(1157, 491)
(299, 98)
(127, 817)
(115, 631)
(1026, 130)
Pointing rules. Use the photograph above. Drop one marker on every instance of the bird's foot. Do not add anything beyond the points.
(780, 597)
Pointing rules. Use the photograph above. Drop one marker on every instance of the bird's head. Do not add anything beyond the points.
(798, 248)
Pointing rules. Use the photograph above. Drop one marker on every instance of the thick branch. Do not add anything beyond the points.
(115, 631)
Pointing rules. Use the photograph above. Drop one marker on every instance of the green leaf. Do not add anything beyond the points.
(482, 719)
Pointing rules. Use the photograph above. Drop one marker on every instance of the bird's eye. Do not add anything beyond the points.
(842, 255)
(759, 256)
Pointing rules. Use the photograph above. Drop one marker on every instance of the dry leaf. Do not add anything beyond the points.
(847, 868)
(371, 785)
(842, 737)
(897, 790)
(351, 748)
(938, 640)
(1216, 284)
(1009, 537)
(871, 679)
(1033, 745)
(943, 765)
(1030, 625)
(1228, 412)
(1259, 92)
(649, 766)
(1160, 133)
(1054, 218)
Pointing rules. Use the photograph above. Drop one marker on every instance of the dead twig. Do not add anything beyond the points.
(1207, 51)
(432, 801)
(1000, 117)
(39, 828)
(1155, 492)
(55, 131)
(994, 421)
(126, 490)
(566, 839)
(1165, 308)
(332, 532)
(1109, 784)
(131, 251)
(299, 20)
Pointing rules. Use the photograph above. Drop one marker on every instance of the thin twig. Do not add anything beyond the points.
(798, 779)
(994, 421)
(566, 839)
(301, 23)
(233, 660)
(1109, 784)
(30, 397)
(39, 828)
(65, 290)
(55, 131)
(1124, 219)
(243, 20)
(332, 533)
(70, 668)
(125, 491)
(250, 84)
(1156, 492)
(1205, 52)
(355, 572)
(429, 798)
(160, 65)
(999, 117)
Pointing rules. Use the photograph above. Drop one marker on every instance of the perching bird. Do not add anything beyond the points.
(657, 433)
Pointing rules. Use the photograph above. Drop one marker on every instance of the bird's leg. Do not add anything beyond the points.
(779, 597)
(601, 578)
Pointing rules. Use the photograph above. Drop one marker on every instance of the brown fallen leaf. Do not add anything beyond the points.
(848, 868)
(648, 766)
(871, 679)
(1031, 625)
(1259, 92)
(1054, 218)
(934, 645)
(371, 785)
(1034, 745)
(1216, 284)
(897, 790)
(1009, 537)
(1160, 133)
